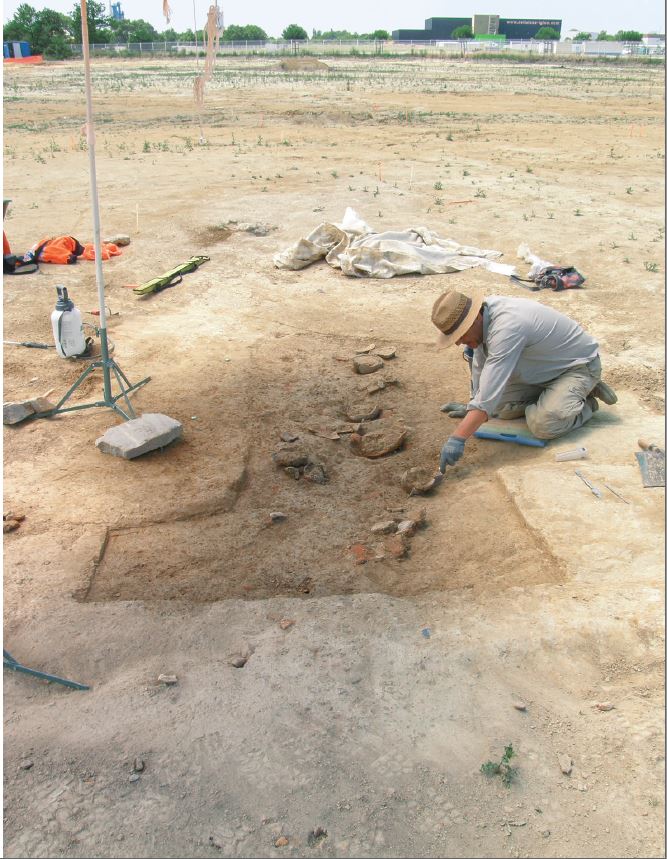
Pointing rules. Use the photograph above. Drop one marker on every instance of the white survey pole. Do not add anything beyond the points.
(97, 244)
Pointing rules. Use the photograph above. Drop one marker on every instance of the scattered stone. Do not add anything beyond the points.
(387, 353)
(407, 527)
(316, 835)
(290, 457)
(134, 777)
(582, 787)
(27, 764)
(366, 349)
(396, 546)
(380, 383)
(10, 525)
(168, 679)
(388, 527)
(256, 229)
(13, 515)
(293, 472)
(324, 432)
(277, 516)
(565, 764)
(14, 413)
(546, 833)
(288, 437)
(365, 364)
(238, 661)
(281, 841)
(140, 435)
(315, 472)
(362, 412)
(418, 515)
(604, 706)
(138, 766)
(419, 480)
(40, 405)
(519, 705)
(120, 239)
(342, 429)
(285, 623)
(378, 442)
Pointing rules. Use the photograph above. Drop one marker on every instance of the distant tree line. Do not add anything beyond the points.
(348, 36)
(53, 33)
(548, 33)
(603, 36)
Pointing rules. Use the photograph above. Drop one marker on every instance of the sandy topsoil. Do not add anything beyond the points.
(523, 602)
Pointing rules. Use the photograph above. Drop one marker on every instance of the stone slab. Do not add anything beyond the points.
(140, 435)
(14, 413)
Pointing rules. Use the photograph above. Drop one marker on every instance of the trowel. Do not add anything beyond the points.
(651, 461)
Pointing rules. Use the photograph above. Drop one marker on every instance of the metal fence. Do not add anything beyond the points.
(365, 47)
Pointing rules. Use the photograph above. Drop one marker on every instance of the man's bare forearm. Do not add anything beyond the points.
(470, 423)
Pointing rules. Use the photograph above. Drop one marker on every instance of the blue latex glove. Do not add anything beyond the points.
(455, 410)
(452, 451)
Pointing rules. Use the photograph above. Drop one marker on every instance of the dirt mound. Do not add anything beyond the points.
(302, 64)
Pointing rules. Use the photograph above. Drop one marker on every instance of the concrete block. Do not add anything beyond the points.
(132, 438)
(40, 405)
(14, 413)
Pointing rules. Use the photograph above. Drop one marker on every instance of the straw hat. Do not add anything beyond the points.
(453, 313)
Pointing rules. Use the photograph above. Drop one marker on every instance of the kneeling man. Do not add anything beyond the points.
(527, 359)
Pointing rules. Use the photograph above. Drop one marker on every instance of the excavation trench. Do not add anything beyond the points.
(472, 536)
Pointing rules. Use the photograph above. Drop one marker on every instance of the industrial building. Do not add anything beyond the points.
(483, 27)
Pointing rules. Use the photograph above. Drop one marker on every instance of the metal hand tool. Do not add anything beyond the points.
(617, 494)
(29, 343)
(597, 492)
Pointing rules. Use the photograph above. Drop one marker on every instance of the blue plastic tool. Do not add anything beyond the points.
(509, 436)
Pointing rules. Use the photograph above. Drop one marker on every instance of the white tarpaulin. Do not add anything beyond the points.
(359, 251)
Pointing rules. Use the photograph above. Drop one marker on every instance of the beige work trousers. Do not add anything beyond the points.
(555, 407)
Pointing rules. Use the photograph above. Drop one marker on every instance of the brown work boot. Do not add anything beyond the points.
(605, 393)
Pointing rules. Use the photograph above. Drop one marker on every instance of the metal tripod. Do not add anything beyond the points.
(110, 400)
(105, 362)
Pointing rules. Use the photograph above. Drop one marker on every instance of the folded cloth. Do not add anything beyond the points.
(355, 248)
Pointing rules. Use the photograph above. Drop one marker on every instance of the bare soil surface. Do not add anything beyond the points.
(338, 689)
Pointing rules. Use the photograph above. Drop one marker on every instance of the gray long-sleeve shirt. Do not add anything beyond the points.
(527, 342)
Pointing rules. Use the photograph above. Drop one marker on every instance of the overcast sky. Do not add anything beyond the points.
(590, 15)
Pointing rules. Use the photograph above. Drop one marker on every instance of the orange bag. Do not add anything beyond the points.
(107, 248)
(61, 250)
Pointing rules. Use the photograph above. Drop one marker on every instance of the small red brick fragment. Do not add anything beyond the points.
(361, 553)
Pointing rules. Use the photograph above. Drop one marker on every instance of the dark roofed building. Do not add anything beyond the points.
(441, 29)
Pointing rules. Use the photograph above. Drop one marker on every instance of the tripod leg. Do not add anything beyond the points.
(123, 392)
(10, 662)
(69, 393)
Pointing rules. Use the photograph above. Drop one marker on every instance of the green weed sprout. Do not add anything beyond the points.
(506, 772)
